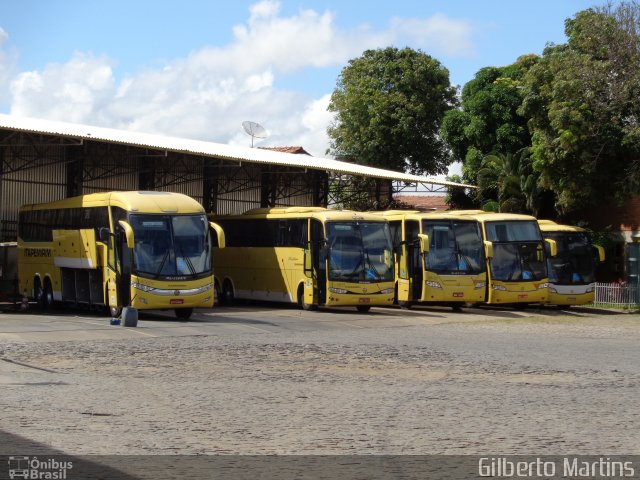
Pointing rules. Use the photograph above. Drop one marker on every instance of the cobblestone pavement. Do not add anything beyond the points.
(482, 382)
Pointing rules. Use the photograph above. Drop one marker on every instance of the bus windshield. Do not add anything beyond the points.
(518, 253)
(455, 247)
(359, 252)
(171, 245)
(574, 263)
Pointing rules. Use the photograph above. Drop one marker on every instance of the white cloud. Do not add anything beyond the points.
(77, 91)
(438, 35)
(208, 94)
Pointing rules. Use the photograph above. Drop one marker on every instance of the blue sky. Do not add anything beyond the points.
(197, 69)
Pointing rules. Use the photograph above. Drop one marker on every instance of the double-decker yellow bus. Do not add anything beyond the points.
(439, 258)
(311, 256)
(572, 277)
(516, 257)
(145, 250)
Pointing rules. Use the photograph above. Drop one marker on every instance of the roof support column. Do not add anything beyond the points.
(268, 186)
(146, 174)
(210, 187)
(320, 188)
(75, 171)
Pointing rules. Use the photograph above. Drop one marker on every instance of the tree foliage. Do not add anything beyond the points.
(571, 118)
(583, 102)
(389, 104)
(488, 121)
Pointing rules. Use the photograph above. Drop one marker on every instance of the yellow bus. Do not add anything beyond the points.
(439, 258)
(572, 277)
(311, 256)
(145, 250)
(516, 257)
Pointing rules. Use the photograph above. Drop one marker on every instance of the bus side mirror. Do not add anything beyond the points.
(488, 249)
(600, 251)
(104, 235)
(552, 247)
(324, 249)
(388, 259)
(128, 232)
(424, 242)
(219, 234)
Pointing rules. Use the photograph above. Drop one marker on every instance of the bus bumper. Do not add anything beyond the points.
(504, 293)
(366, 295)
(569, 296)
(146, 298)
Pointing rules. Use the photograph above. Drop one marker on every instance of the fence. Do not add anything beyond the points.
(614, 294)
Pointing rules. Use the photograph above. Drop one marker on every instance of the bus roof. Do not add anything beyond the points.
(418, 215)
(551, 226)
(140, 201)
(483, 216)
(320, 213)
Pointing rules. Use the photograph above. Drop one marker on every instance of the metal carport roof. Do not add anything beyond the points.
(207, 149)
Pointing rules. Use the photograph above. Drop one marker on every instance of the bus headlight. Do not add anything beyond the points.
(480, 285)
(337, 290)
(431, 284)
(552, 290)
(144, 288)
(387, 290)
(543, 285)
(502, 288)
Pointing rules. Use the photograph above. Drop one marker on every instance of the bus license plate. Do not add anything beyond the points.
(523, 296)
(176, 301)
(458, 294)
(364, 300)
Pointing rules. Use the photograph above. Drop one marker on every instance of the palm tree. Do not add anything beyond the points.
(500, 185)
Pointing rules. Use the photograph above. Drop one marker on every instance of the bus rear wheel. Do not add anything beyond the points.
(227, 293)
(43, 295)
(38, 292)
(183, 313)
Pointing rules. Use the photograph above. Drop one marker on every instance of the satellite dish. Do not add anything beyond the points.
(254, 129)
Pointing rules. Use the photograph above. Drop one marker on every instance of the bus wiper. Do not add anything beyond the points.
(186, 259)
(371, 265)
(164, 259)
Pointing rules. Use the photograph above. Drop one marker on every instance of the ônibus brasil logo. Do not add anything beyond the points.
(33, 468)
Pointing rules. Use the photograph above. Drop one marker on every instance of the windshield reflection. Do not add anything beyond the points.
(574, 263)
(359, 252)
(454, 247)
(518, 261)
(171, 245)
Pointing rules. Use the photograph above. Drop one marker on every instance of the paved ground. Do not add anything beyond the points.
(260, 380)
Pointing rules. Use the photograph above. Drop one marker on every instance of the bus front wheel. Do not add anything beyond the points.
(302, 303)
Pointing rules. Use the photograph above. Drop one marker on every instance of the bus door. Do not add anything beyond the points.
(319, 259)
(123, 265)
(414, 258)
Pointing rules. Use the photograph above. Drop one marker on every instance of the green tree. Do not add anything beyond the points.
(389, 104)
(583, 102)
(488, 121)
(500, 183)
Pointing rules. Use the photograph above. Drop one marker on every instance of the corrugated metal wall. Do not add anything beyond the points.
(29, 175)
(239, 190)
